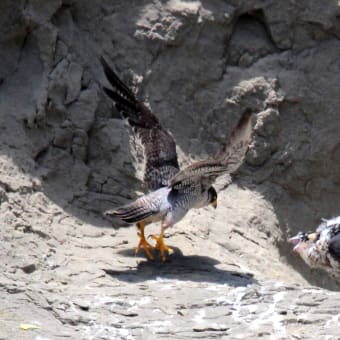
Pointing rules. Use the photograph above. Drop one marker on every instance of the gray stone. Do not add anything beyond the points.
(66, 156)
(29, 268)
(82, 112)
(75, 72)
(63, 137)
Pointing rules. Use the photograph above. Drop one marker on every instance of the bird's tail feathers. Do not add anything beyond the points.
(131, 213)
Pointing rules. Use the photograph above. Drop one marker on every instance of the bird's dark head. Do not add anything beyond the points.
(302, 242)
(305, 245)
(212, 196)
(303, 237)
(300, 237)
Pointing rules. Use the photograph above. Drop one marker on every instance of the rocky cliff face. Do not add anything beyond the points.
(66, 156)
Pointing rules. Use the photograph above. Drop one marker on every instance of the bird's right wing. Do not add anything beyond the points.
(159, 146)
(225, 162)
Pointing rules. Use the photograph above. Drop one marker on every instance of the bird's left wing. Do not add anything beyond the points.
(226, 161)
(159, 146)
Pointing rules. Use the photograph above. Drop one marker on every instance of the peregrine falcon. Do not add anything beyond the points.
(173, 192)
(321, 249)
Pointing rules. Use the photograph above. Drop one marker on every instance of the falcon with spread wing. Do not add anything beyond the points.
(173, 192)
(321, 249)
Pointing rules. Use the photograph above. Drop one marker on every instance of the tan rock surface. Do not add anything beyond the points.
(66, 156)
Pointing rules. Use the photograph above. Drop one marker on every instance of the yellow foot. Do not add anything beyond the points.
(161, 246)
(143, 243)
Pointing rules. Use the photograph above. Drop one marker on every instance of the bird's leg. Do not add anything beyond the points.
(160, 245)
(143, 243)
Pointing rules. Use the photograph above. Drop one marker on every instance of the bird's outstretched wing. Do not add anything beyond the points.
(159, 146)
(226, 161)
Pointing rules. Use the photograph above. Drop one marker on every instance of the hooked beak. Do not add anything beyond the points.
(296, 242)
(214, 204)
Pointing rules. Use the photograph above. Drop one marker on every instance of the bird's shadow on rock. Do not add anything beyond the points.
(180, 267)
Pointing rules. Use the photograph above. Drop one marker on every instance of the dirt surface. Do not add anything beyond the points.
(66, 156)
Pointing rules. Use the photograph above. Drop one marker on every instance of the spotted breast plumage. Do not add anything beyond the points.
(321, 249)
(173, 192)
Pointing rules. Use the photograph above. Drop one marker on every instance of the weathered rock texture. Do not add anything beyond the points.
(66, 156)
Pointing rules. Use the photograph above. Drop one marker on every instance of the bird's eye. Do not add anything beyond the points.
(303, 236)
